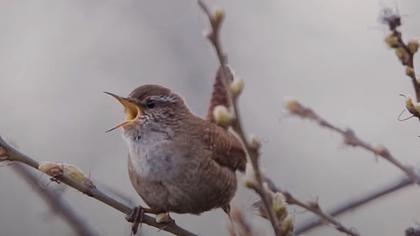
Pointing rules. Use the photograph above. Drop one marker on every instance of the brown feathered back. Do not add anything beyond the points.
(226, 147)
(219, 95)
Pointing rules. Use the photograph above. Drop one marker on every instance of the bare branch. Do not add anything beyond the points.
(313, 207)
(57, 204)
(80, 182)
(351, 139)
(216, 19)
(354, 203)
(252, 147)
(239, 223)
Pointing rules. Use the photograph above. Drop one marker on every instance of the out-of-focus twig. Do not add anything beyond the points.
(405, 53)
(57, 204)
(279, 205)
(216, 19)
(239, 225)
(73, 177)
(351, 139)
(412, 231)
(313, 207)
(354, 203)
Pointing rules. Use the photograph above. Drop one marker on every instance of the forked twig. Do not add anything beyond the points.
(216, 20)
(351, 139)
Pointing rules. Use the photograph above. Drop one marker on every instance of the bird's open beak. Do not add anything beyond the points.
(131, 109)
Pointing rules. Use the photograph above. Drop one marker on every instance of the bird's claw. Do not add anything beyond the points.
(164, 218)
(136, 217)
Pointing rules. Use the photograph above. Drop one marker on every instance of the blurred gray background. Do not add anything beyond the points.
(58, 56)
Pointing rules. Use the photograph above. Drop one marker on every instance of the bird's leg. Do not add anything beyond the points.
(164, 218)
(136, 210)
(226, 209)
(136, 217)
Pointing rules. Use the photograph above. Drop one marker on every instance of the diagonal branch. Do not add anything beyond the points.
(351, 139)
(354, 203)
(83, 184)
(57, 204)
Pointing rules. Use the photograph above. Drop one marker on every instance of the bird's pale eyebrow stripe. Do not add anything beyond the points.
(164, 98)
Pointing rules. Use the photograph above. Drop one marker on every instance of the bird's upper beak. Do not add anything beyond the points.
(131, 109)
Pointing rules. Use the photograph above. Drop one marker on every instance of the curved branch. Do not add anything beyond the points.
(9, 153)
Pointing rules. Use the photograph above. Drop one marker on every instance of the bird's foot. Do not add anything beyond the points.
(136, 217)
(164, 218)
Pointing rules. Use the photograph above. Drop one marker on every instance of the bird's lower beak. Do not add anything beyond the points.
(131, 109)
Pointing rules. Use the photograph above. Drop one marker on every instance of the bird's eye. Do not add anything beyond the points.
(150, 104)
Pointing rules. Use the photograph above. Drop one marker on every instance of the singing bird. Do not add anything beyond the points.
(179, 162)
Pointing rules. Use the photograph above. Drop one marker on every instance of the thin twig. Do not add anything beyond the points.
(216, 20)
(239, 224)
(351, 139)
(354, 203)
(413, 231)
(313, 207)
(9, 153)
(57, 204)
(404, 51)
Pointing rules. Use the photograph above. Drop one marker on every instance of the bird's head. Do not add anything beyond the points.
(150, 104)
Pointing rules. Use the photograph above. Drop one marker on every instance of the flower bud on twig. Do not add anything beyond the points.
(71, 172)
(392, 41)
(381, 151)
(51, 168)
(412, 107)
(293, 106)
(409, 71)
(222, 116)
(279, 206)
(236, 87)
(76, 174)
(413, 46)
(255, 142)
(402, 54)
(250, 179)
(218, 16)
(287, 225)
